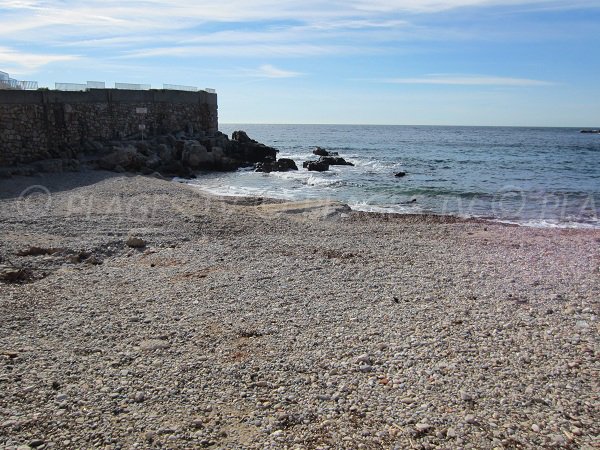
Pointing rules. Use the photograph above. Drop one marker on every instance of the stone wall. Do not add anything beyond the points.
(37, 125)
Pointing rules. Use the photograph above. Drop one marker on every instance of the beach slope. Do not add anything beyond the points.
(149, 315)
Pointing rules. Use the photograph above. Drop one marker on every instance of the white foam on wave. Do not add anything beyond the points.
(548, 223)
(385, 209)
(309, 178)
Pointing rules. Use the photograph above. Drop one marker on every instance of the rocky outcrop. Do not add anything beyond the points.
(180, 154)
(400, 174)
(326, 159)
(281, 165)
(316, 166)
(335, 161)
(322, 152)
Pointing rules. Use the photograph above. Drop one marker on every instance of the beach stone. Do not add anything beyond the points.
(466, 396)
(363, 359)
(423, 427)
(470, 419)
(153, 344)
(135, 242)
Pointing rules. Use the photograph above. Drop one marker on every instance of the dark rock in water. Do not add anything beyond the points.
(335, 161)
(400, 174)
(322, 152)
(590, 131)
(317, 166)
(286, 164)
(282, 165)
(247, 150)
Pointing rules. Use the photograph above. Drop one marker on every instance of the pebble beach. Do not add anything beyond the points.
(147, 314)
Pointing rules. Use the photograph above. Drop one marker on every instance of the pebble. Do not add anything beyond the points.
(470, 419)
(128, 356)
(466, 396)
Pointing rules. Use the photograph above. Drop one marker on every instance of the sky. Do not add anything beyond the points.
(413, 62)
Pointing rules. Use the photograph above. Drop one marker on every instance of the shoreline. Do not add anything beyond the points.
(245, 324)
(529, 223)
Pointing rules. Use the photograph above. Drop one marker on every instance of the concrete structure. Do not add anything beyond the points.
(37, 125)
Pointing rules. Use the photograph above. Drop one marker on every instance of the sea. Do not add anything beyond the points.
(540, 177)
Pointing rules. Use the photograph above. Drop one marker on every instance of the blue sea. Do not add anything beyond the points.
(545, 177)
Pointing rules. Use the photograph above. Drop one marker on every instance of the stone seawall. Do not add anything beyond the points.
(36, 125)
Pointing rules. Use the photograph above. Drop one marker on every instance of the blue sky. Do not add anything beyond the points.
(448, 62)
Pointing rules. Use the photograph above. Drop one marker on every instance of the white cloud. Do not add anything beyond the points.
(23, 63)
(270, 71)
(470, 80)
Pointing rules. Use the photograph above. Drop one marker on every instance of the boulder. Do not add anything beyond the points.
(335, 161)
(126, 157)
(174, 169)
(285, 164)
(242, 137)
(135, 242)
(282, 165)
(195, 155)
(165, 153)
(317, 166)
(322, 152)
(400, 174)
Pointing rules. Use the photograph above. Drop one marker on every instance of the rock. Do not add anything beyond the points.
(335, 161)
(135, 242)
(400, 174)
(139, 397)
(126, 158)
(577, 431)
(285, 164)
(322, 152)
(317, 166)
(470, 419)
(36, 443)
(465, 396)
(153, 344)
(451, 433)
(165, 153)
(242, 137)
(195, 155)
(175, 168)
(94, 261)
(535, 428)
(16, 275)
(423, 427)
(282, 165)
(363, 359)
(38, 251)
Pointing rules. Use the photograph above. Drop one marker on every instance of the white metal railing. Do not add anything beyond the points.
(6, 82)
(70, 86)
(96, 85)
(177, 87)
(210, 91)
(133, 87)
